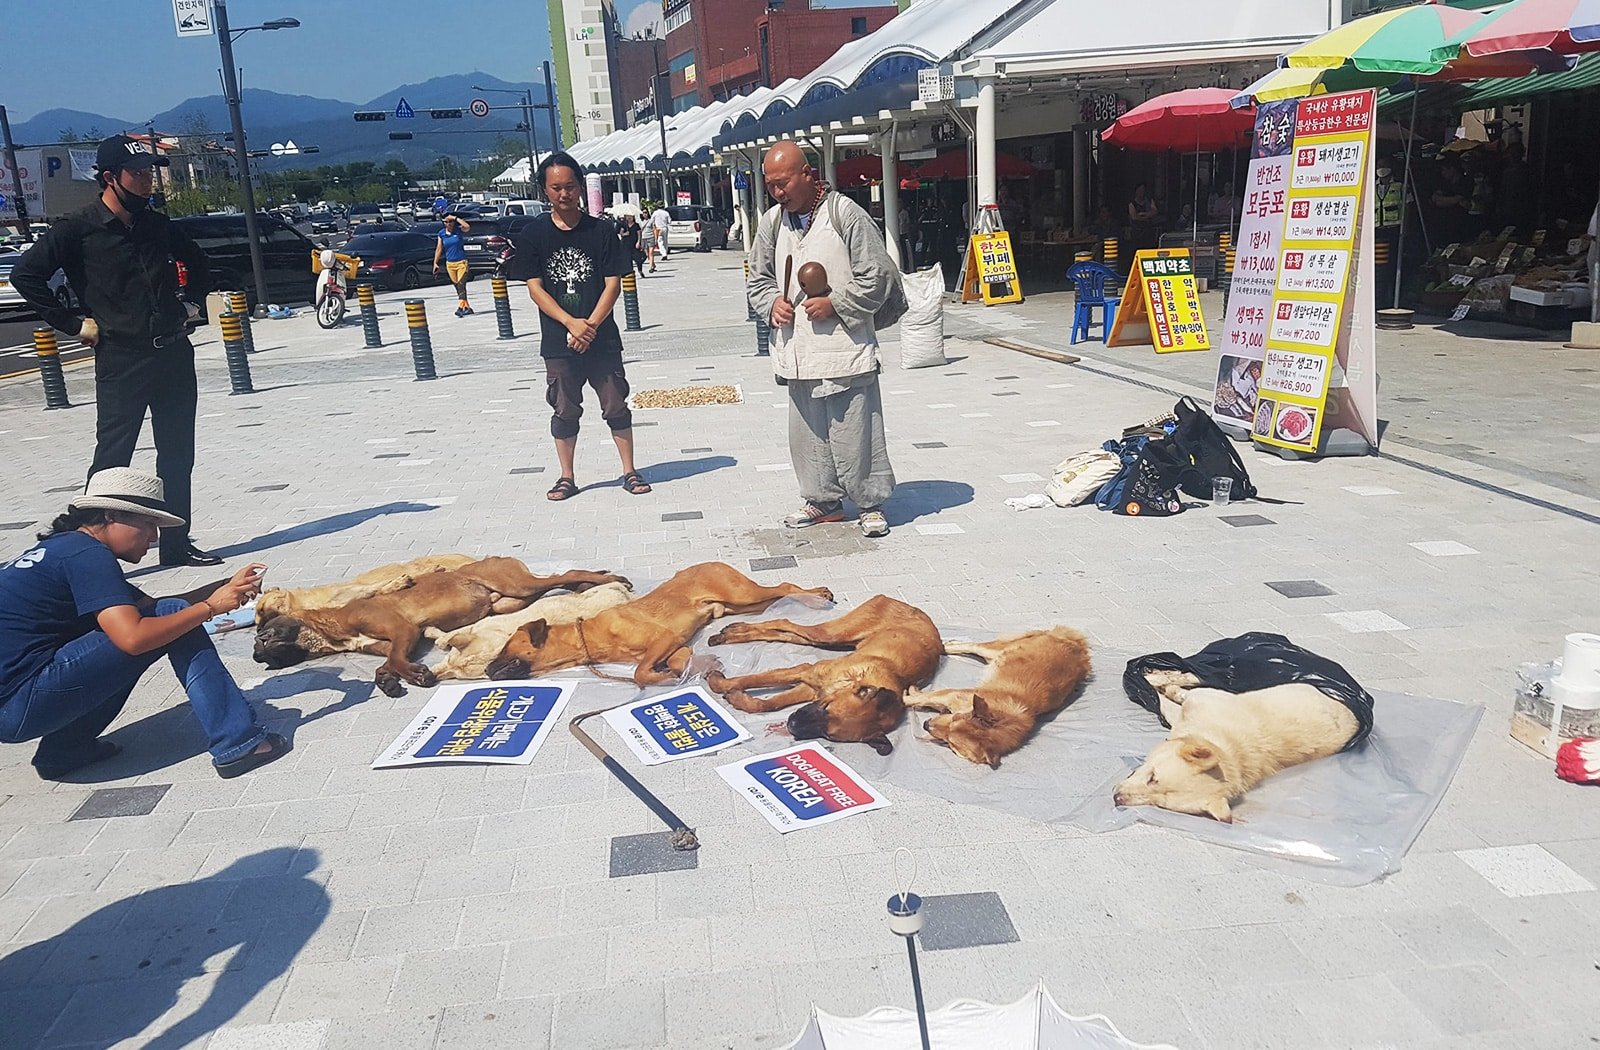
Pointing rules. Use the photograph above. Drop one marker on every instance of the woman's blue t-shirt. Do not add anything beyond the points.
(453, 250)
(51, 595)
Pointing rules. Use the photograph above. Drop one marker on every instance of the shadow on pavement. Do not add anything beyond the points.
(93, 985)
(916, 499)
(672, 470)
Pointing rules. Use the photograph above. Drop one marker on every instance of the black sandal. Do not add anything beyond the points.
(564, 488)
(277, 747)
(634, 483)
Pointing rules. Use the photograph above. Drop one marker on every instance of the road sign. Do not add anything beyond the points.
(445, 114)
(404, 111)
(371, 114)
(192, 17)
(479, 108)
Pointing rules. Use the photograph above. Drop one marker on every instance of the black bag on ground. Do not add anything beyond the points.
(1152, 469)
(1211, 453)
(1256, 660)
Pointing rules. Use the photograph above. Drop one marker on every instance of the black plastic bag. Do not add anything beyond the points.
(1252, 661)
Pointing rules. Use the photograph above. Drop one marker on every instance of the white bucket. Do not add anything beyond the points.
(1578, 684)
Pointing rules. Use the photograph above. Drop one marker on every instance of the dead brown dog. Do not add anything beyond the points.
(857, 698)
(391, 625)
(382, 580)
(1031, 675)
(652, 632)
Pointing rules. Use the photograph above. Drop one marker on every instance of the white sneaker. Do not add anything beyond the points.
(873, 523)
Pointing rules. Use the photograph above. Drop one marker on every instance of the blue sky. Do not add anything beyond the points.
(122, 58)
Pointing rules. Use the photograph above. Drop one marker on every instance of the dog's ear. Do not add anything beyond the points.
(1199, 755)
(981, 713)
(536, 632)
(879, 743)
(1220, 810)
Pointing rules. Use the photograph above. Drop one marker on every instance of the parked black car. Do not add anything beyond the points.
(484, 243)
(285, 255)
(394, 260)
(324, 221)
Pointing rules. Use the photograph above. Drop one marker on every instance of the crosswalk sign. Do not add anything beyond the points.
(404, 111)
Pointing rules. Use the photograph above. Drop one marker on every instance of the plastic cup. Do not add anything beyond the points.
(1221, 491)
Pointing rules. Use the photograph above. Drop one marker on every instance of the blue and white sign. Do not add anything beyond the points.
(802, 787)
(740, 181)
(675, 725)
(193, 17)
(500, 723)
(404, 111)
(440, 205)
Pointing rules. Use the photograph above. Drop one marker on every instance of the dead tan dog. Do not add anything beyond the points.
(653, 632)
(470, 650)
(391, 625)
(1031, 675)
(859, 697)
(382, 580)
(1223, 744)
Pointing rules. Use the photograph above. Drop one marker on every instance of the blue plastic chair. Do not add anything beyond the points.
(1090, 281)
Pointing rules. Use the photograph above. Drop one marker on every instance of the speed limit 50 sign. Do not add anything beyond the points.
(479, 108)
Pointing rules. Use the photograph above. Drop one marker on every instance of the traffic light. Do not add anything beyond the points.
(399, 136)
(445, 114)
(371, 114)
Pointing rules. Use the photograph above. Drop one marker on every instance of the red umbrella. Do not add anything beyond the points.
(858, 171)
(1195, 120)
(952, 164)
(1567, 27)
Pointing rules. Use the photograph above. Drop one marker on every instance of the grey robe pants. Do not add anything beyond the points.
(837, 443)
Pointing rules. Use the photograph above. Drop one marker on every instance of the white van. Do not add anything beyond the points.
(524, 207)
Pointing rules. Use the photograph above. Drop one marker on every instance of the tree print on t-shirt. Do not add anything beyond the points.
(571, 267)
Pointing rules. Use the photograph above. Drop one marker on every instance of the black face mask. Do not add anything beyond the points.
(131, 203)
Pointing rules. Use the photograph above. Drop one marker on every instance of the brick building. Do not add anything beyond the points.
(719, 48)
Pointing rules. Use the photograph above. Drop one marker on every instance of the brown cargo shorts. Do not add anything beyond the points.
(564, 381)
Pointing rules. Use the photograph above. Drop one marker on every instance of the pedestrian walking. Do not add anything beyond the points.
(826, 346)
(661, 220)
(75, 636)
(118, 257)
(631, 237)
(573, 264)
(452, 250)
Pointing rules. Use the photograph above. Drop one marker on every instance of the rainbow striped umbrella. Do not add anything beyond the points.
(1565, 27)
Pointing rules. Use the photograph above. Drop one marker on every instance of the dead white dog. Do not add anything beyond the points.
(1223, 744)
(472, 648)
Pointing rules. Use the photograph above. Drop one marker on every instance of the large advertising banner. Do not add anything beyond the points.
(501, 723)
(802, 787)
(1309, 321)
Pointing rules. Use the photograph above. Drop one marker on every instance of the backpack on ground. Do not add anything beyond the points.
(1145, 486)
(1078, 477)
(1209, 451)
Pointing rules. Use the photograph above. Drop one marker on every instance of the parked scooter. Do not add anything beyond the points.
(334, 272)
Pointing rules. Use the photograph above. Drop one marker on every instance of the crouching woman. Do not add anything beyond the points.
(75, 636)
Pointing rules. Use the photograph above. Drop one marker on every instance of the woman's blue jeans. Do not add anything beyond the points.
(73, 698)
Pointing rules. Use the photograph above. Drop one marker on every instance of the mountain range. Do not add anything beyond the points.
(271, 116)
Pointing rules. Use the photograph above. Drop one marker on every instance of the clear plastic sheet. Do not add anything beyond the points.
(1344, 820)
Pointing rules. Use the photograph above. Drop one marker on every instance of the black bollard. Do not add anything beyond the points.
(55, 384)
(421, 344)
(502, 308)
(763, 337)
(369, 315)
(239, 303)
(630, 301)
(233, 347)
(749, 310)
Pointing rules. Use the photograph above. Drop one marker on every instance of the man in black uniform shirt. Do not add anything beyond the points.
(574, 265)
(118, 256)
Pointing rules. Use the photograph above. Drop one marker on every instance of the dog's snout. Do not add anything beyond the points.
(506, 667)
(809, 722)
(927, 725)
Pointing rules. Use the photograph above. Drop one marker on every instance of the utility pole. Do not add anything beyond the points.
(230, 83)
(663, 99)
(532, 136)
(550, 104)
(19, 202)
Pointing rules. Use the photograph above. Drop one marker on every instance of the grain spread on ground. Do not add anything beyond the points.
(686, 397)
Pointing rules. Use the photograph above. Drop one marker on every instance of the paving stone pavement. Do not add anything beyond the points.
(322, 904)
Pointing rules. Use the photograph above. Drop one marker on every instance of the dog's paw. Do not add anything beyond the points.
(742, 701)
(815, 598)
(726, 636)
(423, 677)
(389, 683)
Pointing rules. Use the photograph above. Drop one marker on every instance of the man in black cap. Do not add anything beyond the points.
(118, 256)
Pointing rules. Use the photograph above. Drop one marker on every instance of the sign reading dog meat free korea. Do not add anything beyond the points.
(501, 723)
(675, 725)
(1309, 322)
(801, 788)
(1165, 310)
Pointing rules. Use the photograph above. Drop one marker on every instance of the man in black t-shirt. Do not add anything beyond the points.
(574, 265)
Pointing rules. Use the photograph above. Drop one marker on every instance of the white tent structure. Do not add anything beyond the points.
(1034, 1022)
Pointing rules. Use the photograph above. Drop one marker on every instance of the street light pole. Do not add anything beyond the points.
(663, 97)
(532, 135)
(19, 202)
(230, 84)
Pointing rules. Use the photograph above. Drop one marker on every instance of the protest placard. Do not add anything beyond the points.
(502, 723)
(801, 787)
(675, 725)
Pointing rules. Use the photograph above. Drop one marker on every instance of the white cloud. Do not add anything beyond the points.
(645, 15)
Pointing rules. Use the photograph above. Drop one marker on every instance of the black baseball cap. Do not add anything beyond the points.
(120, 151)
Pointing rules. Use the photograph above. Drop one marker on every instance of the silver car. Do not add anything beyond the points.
(697, 228)
(11, 299)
